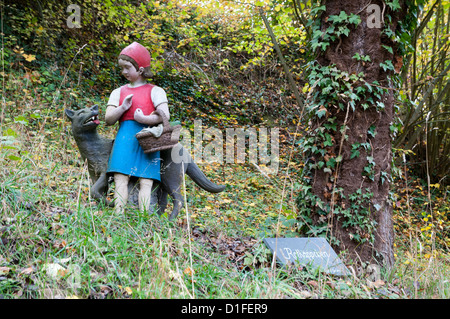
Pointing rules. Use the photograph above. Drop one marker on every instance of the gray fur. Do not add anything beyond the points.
(96, 149)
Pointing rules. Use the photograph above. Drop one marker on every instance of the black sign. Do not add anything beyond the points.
(315, 252)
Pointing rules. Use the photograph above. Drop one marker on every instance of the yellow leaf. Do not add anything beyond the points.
(29, 57)
(188, 271)
(128, 290)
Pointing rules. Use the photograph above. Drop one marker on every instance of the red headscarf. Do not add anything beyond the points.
(138, 53)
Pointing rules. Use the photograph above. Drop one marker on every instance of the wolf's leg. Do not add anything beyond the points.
(121, 193)
(145, 193)
(162, 200)
(178, 201)
(100, 188)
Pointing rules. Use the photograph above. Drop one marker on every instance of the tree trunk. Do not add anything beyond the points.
(349, 151)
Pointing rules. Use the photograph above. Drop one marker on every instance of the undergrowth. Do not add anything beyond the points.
(57, 243)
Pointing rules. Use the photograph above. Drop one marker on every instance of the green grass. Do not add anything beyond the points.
(47, 219)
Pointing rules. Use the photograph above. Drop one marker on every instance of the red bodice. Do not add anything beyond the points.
(142, 99)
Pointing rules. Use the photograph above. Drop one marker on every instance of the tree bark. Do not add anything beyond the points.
(364, 126)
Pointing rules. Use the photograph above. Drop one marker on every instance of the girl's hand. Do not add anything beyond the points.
(139, 116)
(126, 104)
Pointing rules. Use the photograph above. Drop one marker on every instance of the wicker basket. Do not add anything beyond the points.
(168, 139)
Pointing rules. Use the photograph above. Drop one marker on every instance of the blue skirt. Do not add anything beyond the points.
(127, 156)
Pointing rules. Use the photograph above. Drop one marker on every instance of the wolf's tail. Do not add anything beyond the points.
(194, 172)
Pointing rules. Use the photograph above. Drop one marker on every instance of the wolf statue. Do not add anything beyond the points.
(95, 149)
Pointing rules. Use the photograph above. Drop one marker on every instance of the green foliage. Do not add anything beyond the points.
(424, 99)
(332, 91)
(224, 69)
(340, 26)
(199, 53)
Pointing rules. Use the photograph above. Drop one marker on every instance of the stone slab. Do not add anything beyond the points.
(313, 251)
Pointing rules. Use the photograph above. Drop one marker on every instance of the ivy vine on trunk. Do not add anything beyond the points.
(352, 83)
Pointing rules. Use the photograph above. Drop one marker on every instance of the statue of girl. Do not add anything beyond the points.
(133, 105)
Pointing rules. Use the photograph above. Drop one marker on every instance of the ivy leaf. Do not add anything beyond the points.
(342, 17)
(360, 89)
(394, 5)
(380, 104)
(328, 142)
(388, 48)
(331, 162)
(321, 112)
(387, 66)
(324, 45)
(354, 18)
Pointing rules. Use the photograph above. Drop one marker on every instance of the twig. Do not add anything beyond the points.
(178, 56)
(189, 230)
(3, 70)
(337, 166)
(56, 96)
(291, 82)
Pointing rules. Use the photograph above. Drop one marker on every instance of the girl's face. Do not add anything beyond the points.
(129, 71)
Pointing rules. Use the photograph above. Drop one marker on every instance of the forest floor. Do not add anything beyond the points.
(56, 243)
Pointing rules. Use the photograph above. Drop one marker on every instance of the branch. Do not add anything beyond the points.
(292, 84)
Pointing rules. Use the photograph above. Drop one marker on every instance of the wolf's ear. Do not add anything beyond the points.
(69, 113)
(94, 108)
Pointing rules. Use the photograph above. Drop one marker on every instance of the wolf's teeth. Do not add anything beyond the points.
(91, 119)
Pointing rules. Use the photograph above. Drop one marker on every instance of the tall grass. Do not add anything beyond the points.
(57, 243)
(47, 219)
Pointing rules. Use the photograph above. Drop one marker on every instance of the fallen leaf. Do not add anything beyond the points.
(313, 283)
(331, 284)
(128, 290)
(188, 271)
(4, 270)
(65, 260)
(60, 244)
(55, 271)
(375, 284)
(27, 271)
(305, 294)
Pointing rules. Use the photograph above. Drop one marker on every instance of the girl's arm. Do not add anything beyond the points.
(152, 119)
(113, 113)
